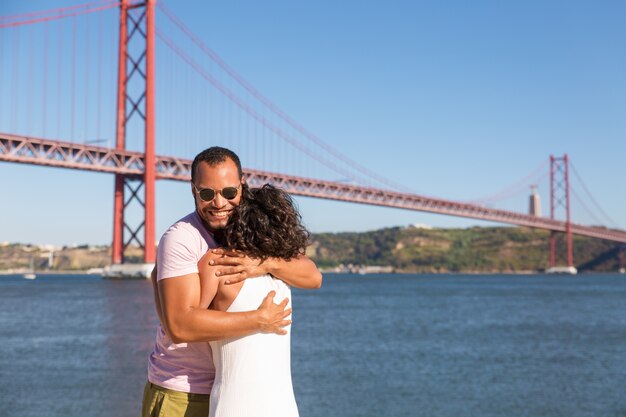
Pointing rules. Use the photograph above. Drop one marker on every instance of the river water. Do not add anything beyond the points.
(377, 345)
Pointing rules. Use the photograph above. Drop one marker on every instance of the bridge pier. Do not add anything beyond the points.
(147, 179)
(560, 197)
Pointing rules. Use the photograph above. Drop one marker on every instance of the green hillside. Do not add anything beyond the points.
(478, 249)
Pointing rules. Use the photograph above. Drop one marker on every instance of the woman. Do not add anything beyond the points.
(253, 373)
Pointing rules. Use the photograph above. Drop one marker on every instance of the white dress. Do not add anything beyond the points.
(253, 373)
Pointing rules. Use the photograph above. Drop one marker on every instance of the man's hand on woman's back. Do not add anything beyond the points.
(272, 318)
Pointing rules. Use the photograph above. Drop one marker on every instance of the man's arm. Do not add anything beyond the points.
(157, 301)
(185, 322)
(300, 272)
(270, 319)
(178, 292)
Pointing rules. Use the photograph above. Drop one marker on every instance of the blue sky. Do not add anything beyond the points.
(451, 99)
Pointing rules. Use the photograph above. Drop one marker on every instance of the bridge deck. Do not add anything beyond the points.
(47, 152)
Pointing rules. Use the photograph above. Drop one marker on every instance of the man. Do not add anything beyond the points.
(180, 370)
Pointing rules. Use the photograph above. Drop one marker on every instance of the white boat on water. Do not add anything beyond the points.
(128, 271)
(563, 270)
(31, 272)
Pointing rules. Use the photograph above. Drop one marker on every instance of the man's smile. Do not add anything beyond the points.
(219, 214)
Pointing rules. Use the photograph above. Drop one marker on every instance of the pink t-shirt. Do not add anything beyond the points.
(184, 367)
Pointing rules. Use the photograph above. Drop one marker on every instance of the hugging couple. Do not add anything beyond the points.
(223, 346)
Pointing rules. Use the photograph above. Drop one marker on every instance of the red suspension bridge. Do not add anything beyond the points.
(224, 109)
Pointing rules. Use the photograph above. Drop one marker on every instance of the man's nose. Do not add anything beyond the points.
(219, 200)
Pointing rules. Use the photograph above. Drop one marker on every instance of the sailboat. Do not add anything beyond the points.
(31, 273)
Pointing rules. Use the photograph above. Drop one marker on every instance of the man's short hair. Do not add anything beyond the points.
(213, 156)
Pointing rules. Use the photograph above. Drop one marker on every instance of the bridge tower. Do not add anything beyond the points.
(560, 198)
(136, 67)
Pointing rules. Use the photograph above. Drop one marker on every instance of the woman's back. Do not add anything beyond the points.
(253, 373)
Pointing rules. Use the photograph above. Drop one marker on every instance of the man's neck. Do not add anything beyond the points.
(218, 234)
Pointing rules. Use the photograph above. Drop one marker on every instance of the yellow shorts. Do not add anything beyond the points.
(162, 402)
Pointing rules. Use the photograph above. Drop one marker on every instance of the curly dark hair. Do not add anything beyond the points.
(266, 224)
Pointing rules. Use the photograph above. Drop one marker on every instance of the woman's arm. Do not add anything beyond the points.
(209, 282)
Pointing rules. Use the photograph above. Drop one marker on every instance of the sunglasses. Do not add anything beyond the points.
(208, 194)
